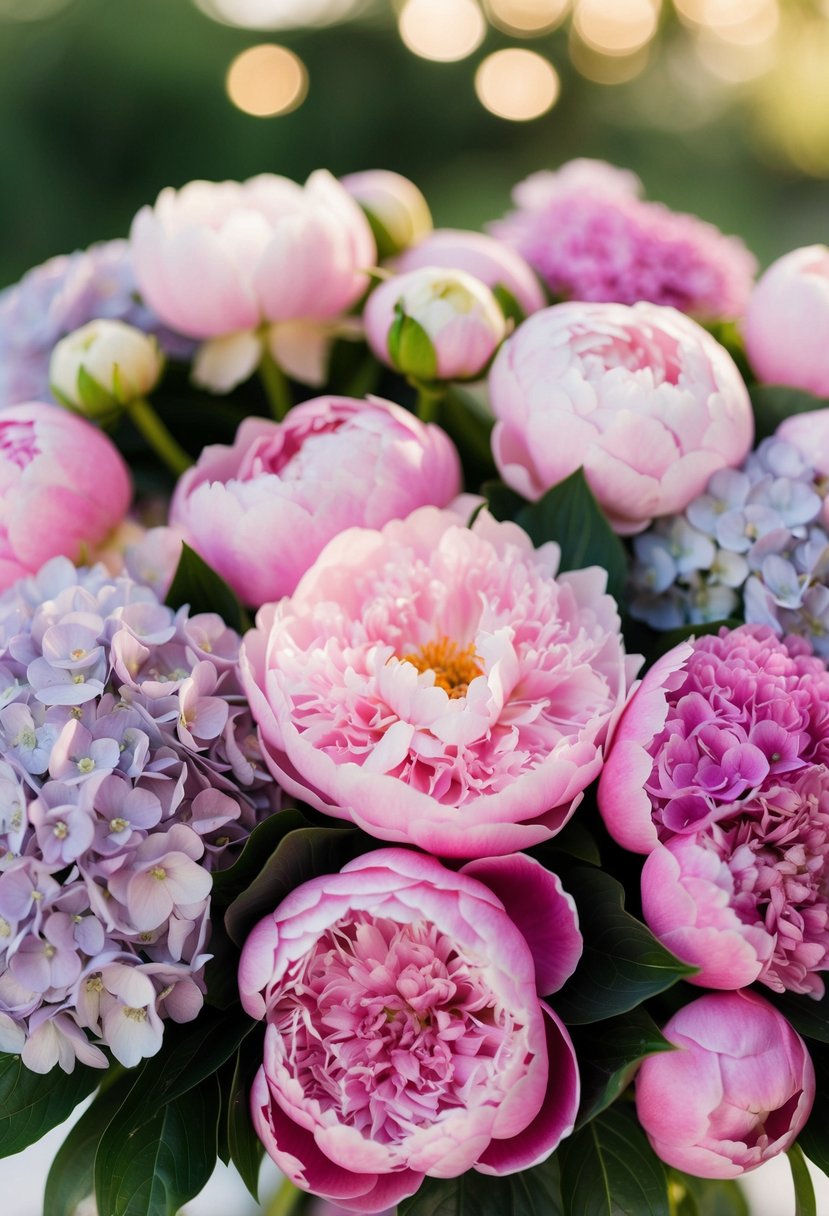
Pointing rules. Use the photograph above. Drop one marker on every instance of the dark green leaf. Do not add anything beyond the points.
(72, 1175)
(575, 839)
(196, 584)
(609, 1054)
(302, 854)
(508, 304)
(808, 1016)
(264, 838)
(246, 1149)
(32, 1103)
(705, 1196)
(673, 637)
(151, 1161)
(410, 347)
(804, 1191)
(814, 1139)
(609, 1169)
(533, 1192)
(773, 403)
(623, 964)
(503, 502)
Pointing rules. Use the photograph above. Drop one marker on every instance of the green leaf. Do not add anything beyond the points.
(72, 1175)
(609, 1054)
(575, 839)
(814, 1139)
(609, 1169)
(503, 502)
(773, 403)
(623, 964)
(32, 1103)
(246, 1150)
(692, 1196)
(508, 304)
(300, 855)
(410, 347)
(264, 838)
(533, 1192)
(804, 1191)
(95, 399)
(196, 584)
(808, 1016)
(152, 1161)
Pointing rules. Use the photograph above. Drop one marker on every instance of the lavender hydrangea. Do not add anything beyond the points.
(752, 545)
(60, 296)
(129, 771)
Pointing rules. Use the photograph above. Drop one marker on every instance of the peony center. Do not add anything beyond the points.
(455, 667)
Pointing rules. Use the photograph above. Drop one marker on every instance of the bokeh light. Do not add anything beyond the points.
(278, 14)
(616, 27)
(31, 10)
(526, 17)
(444, 30)
(267, 80)
(517, 84)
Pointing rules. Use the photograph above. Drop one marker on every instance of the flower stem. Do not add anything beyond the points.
(285, 1199)
(275, 386)
(428, 401)
(147, 421)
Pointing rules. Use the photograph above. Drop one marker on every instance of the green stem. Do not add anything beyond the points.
(428, 402)
(147, 421)
(285, 1199)
(276, 386)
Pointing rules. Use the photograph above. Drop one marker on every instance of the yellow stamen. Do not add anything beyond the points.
(455, 668)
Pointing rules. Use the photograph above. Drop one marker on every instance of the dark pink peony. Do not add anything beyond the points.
(405, 1035)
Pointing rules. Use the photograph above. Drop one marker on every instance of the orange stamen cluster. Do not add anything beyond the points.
(454, 668)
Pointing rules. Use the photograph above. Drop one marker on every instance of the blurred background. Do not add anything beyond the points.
(721, 106)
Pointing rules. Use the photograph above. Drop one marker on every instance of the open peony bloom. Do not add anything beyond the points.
(438, 684)
(261, 511)
(642, 398)
(405, 1035)
(63, 488)
(712, 724)
(746, 898)
(737, 1092)
(787, 321)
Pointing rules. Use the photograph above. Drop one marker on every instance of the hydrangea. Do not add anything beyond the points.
(590, 236)
(128, 772)
(752, 544)
(60, 296)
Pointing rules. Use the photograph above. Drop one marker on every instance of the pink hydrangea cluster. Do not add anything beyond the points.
(129, 772)
(590, 236)
(719, 773)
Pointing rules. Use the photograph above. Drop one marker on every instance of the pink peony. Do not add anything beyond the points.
(711, 724)
(437, 684)
(260, 512)
(746, 898)
(434, 324)
(216, 258)
(736, 1093)
(405, 1035)
(787, 321)
(397, 211)
(63, 488)
(491, 261)
(642, 398)
(586, 231)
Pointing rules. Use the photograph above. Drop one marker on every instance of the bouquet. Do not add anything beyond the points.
(414, 745)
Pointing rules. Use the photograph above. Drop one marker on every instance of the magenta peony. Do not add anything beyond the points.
(260, 512)
(787, 321)
(586, 231)
(491, 261)
(439, 685)
(737, 1091)
(63, 488)
(405, 1035)
(712, 724)
(642, 398)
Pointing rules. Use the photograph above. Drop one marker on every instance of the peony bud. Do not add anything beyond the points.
(787, 321)
(396, 210)
(435, 324)
(104, 365)
(737, 1091)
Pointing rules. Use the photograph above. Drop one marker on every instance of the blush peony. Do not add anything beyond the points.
(439, 685)
(405, 1036)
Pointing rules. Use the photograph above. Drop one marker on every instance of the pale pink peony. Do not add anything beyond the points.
(437, 684)
(642, 398)
(493, 262)
(737, 1092)
(746, 899)
(434, 324)
(63, 488)
(787, 321)
(216, 258)
(590, 236)
(405, 1035)
(710, 725)
(261, 511)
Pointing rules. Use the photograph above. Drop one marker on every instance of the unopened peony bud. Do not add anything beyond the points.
(787, 321)
(435, 324)
(104, 365)
(396, 210)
